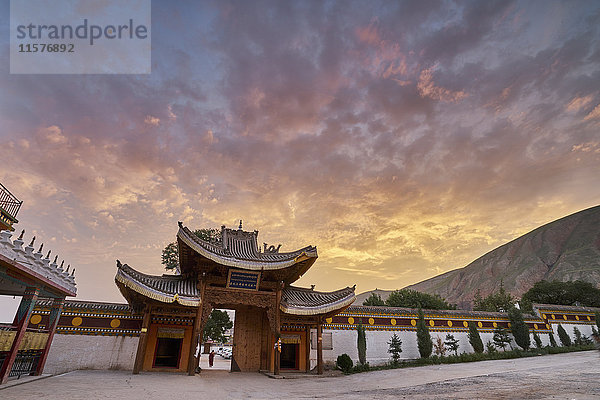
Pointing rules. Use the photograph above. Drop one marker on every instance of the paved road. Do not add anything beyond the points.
(561, 376)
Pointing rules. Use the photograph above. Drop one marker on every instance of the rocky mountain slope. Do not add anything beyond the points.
(565, 249)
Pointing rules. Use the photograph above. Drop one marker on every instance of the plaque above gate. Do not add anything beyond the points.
(240, 279)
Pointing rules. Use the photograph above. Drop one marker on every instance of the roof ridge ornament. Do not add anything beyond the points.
(240, 227)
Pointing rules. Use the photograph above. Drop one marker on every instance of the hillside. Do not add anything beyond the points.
(565, 249)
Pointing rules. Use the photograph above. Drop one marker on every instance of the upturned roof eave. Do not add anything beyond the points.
(203, 249)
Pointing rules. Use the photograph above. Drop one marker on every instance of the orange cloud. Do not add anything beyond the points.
(427, 88)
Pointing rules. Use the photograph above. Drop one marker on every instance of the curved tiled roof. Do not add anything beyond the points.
(86, 305)
(239, 249)
(301, 301)
(166, 288)
(175, 288)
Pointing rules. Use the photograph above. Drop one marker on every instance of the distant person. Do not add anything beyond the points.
(211, 358)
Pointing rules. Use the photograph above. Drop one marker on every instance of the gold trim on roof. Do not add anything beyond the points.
(152, 294)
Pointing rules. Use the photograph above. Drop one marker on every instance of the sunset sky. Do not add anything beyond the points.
(403, 139)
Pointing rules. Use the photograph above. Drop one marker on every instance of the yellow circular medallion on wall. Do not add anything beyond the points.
(565, 317)
(371, 321)
(553, 317)
(577, 317)
(465, 324)
(413, 322)
(115, 323)
(35, 319)
(494, 324)
(76, 321)
(547, 326)
(431, 322)
(393, 321)
(588, 317)
(450, 323)
(508, 324)
(328, 320)
(479, 324)
(350, 320)
(544, 316)
(535, 326)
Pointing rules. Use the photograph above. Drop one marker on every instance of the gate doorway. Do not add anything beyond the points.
(290, 356)
(168, 351)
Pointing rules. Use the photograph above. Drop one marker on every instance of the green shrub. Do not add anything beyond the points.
(395, 348)
(580, 339)
(361, 367)
(344, 362)
(490, 348)
(563, 336)
(451, 343)
(474, 338)
(501, 338)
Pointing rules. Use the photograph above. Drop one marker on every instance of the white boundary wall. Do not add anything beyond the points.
(72, 352)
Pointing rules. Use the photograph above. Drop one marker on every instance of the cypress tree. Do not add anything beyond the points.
(537, 340)
(474, 338)
(519, 328)
(424, 342)
(552, 340)
(563, 336)
(361, 344)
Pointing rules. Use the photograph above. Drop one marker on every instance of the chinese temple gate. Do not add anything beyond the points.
(233, 273)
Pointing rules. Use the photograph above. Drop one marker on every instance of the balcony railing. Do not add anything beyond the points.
(9, 203)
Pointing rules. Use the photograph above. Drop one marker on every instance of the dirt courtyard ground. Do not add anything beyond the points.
(561, 376)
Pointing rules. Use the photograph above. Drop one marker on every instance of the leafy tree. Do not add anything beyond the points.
(170, 254)
(565, 293)
(413, 299)
(395, 348)
(344, 362)
(552, 340)
(170, 257)
(361, 344)
(595, 332)
(451, 343)
(424, 342)
(438, 345)
(474, 338)
(498, 301)
(563, 336)
(537, 340)
(216, 325)
(501, 338)
(374, 300)
(598, 320)
(519, 328)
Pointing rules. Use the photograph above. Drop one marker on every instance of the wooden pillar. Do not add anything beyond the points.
(307, 348)
(55, 311)
(319, 348)
(277, 360)
(20, 322)
(143, 341)
(193, 362)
